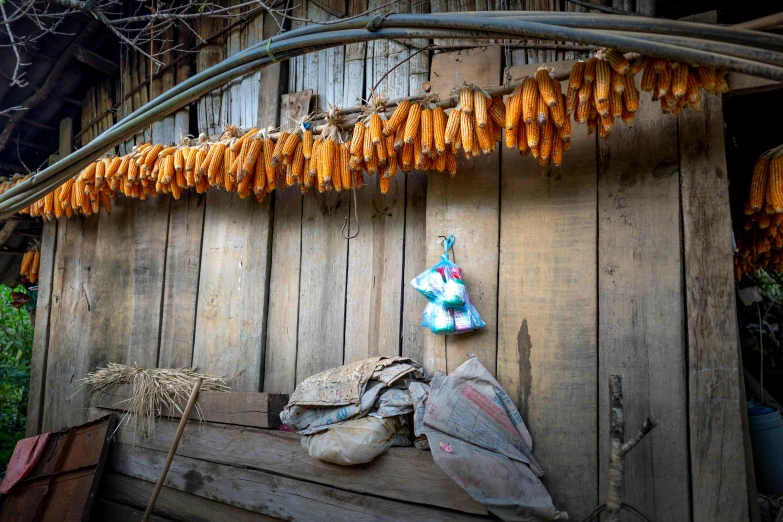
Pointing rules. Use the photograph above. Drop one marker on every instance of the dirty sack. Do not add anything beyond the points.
(353, 413)
(478, 437)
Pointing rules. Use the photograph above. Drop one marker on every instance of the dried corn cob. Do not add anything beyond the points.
(427, 133)
(775, 184)
(679, 80)
(466, 130)
(529, 102)
(376, 128)
(439, 129)
(542, 112)
(413, 122)
(589, 74)
(602, 81)
(545, 86)
(452, 127)
(398, 117)
(277, 153)
(466, 100)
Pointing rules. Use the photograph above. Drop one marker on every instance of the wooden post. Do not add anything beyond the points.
(181, 428)
(66, 137)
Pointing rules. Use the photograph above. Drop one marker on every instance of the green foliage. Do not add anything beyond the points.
(16, 347)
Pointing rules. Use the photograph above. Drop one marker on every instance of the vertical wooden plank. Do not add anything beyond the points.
(69, 326)
(230, 326)
(548, 277)
(183, 72)
(180, 289)
(355, 54)
(209, 106)
(273, 79)
(283, 315)
(475, 192)
(641, 308)
(127, 282)
(322, 283)
(43, 306)
(66, 137)
(714, 396)
(375, 256)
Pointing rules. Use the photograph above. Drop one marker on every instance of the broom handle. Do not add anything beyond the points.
(181, 428)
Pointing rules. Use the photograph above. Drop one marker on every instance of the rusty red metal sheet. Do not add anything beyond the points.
(63, 484)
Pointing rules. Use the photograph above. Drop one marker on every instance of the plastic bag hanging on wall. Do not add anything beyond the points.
(449, 310)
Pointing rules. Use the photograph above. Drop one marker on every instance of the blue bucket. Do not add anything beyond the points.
(766, 437)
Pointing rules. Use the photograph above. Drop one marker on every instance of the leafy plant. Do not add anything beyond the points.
(16, 346)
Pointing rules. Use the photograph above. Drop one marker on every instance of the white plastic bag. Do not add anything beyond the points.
(356, 441)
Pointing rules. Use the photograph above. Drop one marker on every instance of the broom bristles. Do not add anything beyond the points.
(153, 391)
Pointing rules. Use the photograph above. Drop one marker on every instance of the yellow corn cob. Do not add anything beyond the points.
(707, 78)
(582, 112)
(88, 174)
(152, 156)
(345, 172)
(35, 266)
(557, 111)
(390, 152)
(764, 220)
(664, 81)
(680, 80)
(589, 74)
(440, 163)
(427, 133)
(372, 162)
(65, 194)
(542, 112)
(451, 164)
(514, 108)
(269, 168)
(497, 111)
(337, 175)
(215, 169)
(466, 130)
(615, 104)
(376, 128)
(466, 101)
(484, 139)
(291, 142)
(313, 168)
(529, 101)
(495, 133)
(602, 81)
(630, 95)
(399, 137)
(692, 90)
(27, 261)
(114, 167)
(480, 108)
(413, 121)
(775, 184)
(381, 153)
(438, 129)
(617, 61)
(545, 88)
(577, 76)
(389, 172)
(572, 101)
(565, 130)
(277, 153)
(557, 152)
(511, 137)
(585, 94)
(259, 180)
(307, 144)
(531, 131)
(169, 164)
(617, 82)
(640, 64)
(368, 149)
(524, 148)
(251, 157)
(357, 139)
(546, 140)
(407, 156)
(607, 123)
(384, 184)
(649, 79)
(398, 117)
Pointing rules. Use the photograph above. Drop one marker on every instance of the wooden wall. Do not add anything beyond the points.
(618, 262)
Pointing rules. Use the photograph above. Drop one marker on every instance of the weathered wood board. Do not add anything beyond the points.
(253, 409)
(69, 322)
(268, 494)
(283, 316)
(38, 363)
(547, 354)
(475, 192)
(123, 491)
(640, 315)
(714, 394)
(281, 453)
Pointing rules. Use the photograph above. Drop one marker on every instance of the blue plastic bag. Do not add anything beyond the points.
(449, 310)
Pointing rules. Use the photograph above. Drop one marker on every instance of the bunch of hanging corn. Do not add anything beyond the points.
(31, 263)
(536, 120)
(760, 242)
(678, 85)
(474, 126)
(602, 89)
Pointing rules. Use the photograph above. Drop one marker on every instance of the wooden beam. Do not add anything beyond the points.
(97, 62)
(31, 123)
(7, 230)
(66, 137)
(743, 84)
(12, 167)
(30, 144)
(48, 86)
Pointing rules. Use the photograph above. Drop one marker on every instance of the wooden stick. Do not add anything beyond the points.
(181, 428)
(619, 448)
